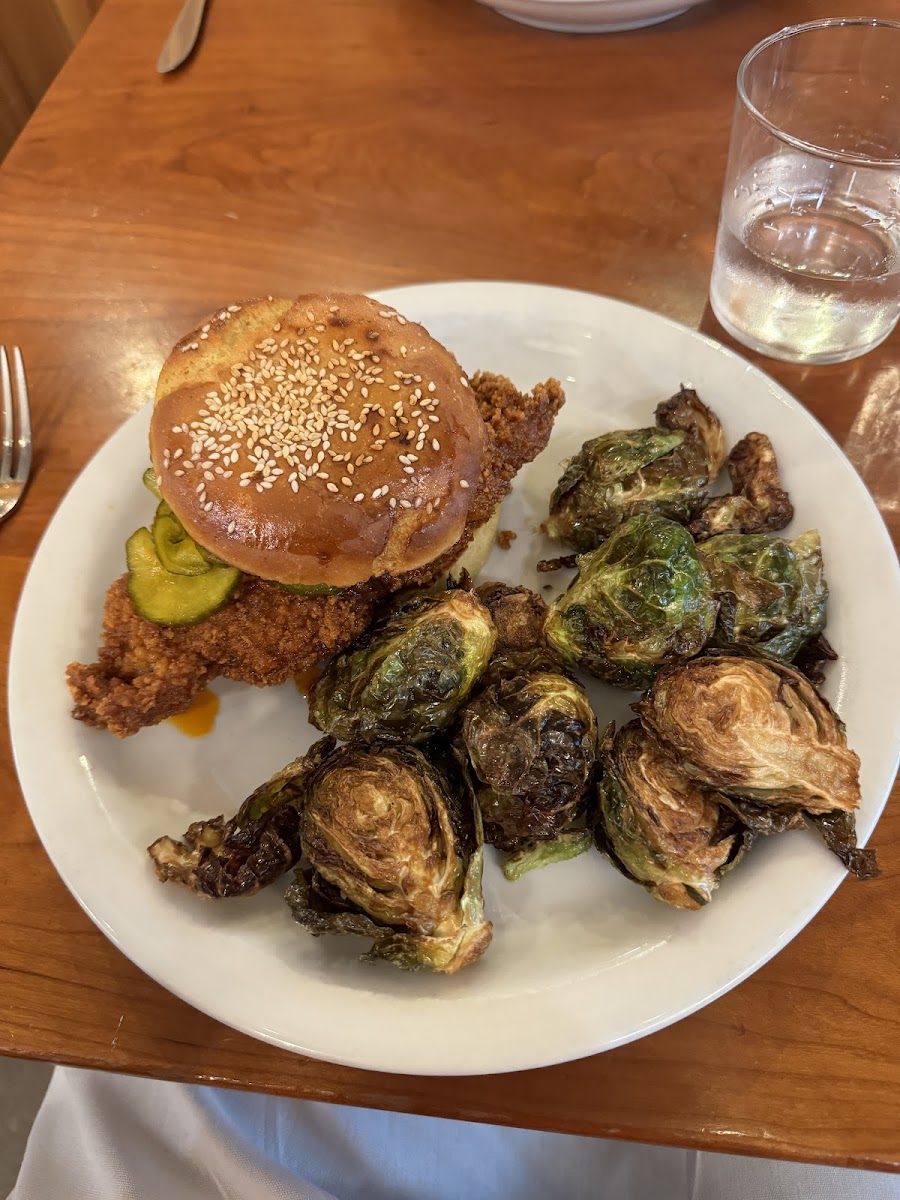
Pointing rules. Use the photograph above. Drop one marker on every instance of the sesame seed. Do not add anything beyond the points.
(205, 329)
(277, 327)
(409, 470)
(405, 504)
(332, 487)
(231, 526)
(233, 308)
(179, 472)
(358, 498)
(463, 483)
(347, 481)
(431, 387)
(435, 444)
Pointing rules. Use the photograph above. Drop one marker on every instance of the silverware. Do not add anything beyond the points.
(14, 468)
(182, 36)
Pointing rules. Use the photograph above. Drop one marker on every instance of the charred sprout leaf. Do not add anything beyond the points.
(703, 450)
(755, 728)
(405, 679)
(758, 504)
(812, 658)
(387, 836)
(666, 470)
(772, 593)
(838, 830)
(659, 827)
(565, 562)
(541, 854)
(531, 739)
(765, 819)
(237, 857)
(518, 613)
(641, 600)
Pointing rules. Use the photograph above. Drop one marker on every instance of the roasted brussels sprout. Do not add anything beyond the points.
(753, 728)
(531, 738)
(405, 678)
(659, 827)
(641, 600)
(771, 592)
(758, 503)
(220, 858)
(518, 613)
(394, 854)
(665, 470)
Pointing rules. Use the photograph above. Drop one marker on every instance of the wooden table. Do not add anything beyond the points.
(363, 143)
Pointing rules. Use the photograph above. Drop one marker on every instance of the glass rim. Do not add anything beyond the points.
(858, 160)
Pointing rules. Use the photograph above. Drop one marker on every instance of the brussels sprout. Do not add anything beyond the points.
(405, 678)
(394, 855)
(772, 593)
(666, 470)
(753, 728)
(220, 858)
(641, 600)
(758, 503)
(518, 613)
(657, 826)
(531, 739)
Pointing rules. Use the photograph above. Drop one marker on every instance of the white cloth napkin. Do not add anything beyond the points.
(113, 1137)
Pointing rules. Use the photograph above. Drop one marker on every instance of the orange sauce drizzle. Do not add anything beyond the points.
(198, 720)
(305, 679)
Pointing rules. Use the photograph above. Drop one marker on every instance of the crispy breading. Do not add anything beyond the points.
(148, 672)
(519, 428)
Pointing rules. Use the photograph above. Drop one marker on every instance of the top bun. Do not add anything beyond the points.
(322, 440)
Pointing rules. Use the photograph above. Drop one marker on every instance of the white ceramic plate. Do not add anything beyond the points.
(582, 960)
(590, 16)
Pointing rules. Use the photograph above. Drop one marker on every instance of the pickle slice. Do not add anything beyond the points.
(167, 598)
(177, 552)
(149, 478)
(310, 589)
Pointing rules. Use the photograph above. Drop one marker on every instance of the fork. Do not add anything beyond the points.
(13, 478)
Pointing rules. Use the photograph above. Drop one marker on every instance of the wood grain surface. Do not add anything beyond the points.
(357, 144)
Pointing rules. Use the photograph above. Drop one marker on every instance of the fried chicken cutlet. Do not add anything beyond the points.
(147, 672)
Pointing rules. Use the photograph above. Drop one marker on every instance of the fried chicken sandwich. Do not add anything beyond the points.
(310, 456)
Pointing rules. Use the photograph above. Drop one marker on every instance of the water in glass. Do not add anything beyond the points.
(805, 260)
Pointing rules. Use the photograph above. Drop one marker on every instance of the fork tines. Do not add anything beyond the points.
(15, 431)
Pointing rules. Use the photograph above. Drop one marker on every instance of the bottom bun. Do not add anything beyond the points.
(478, 550)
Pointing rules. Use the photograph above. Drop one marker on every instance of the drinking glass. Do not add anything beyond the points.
(807, 262)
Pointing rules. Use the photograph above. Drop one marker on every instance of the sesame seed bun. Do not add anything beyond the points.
(322, 440)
